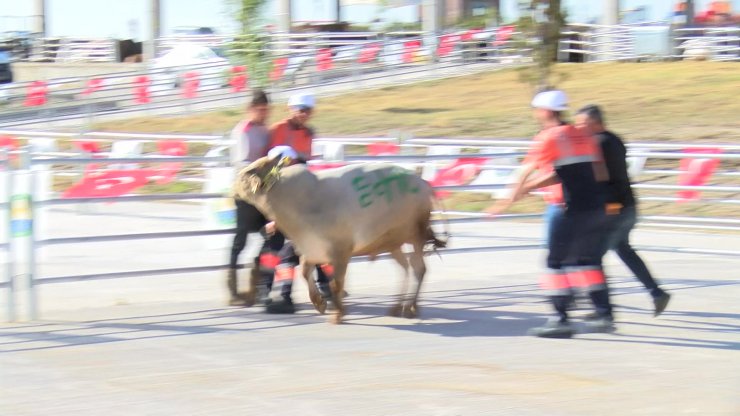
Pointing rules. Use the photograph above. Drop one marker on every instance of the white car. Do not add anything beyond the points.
(168, 70)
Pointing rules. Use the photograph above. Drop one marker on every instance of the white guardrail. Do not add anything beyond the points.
(297, 61)
(32, 188)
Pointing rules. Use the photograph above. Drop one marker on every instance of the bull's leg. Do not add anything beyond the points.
(318, 301)
(400, 258)
(337, 287)
(411, 308)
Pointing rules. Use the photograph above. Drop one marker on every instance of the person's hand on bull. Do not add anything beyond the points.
(270, 228)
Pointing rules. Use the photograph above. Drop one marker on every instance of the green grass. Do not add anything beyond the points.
(695, 101)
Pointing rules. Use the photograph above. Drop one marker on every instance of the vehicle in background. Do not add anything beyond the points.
(168, 71)
(6, 74)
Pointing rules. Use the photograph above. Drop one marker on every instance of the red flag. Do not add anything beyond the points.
(323, 60)
(238, 81)
(503, 35)
(36, 94)
(460, 172)
(446, 44)
(93, 84)
(190, 84)
(109, 183)
(696, 172)
(469, 35)
(369, 53)
(166, 171)
(410, 48)
(278, 68)
(141, 89)
(380, 149)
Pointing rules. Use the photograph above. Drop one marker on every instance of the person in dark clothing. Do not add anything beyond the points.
(621, 205)
(564, 154)
(251, 142)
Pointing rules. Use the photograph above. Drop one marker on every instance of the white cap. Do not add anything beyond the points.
(302, 100)
(554, 100)
(281, 152)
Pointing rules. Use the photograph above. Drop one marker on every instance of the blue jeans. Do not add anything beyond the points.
(618, 232)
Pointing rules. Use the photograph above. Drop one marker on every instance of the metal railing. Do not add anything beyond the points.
(596, 43)
(358, 64)
(489, 149)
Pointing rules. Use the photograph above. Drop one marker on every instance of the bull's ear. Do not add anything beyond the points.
(254, 183)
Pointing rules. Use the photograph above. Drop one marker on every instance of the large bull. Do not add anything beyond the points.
(335, 214)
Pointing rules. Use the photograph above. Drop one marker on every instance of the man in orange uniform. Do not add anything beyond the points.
(294, 131)
(571, 156)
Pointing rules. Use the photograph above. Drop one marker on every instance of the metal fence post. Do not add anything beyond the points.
(9, 269)
(25, 168)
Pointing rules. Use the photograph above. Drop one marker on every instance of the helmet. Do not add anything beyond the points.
(302, 100)
(554, 100)
(279, 152)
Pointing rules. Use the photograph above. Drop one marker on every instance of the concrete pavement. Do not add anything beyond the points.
(167, 345)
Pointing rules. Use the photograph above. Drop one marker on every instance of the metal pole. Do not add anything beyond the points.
(155, 17)
(9, 270)
(33, 312)
(39, 11)
(284, 16)
(611, 12)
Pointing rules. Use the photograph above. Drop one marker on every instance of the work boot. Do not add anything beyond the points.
(234, 298)
(554, 328)
(282, 306)
(602, 324)
(660, 300)
(324, 289)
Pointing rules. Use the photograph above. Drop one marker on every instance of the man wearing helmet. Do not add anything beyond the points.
(570, 156)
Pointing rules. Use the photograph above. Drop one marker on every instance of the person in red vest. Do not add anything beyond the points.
(568, 155)
(294, 130)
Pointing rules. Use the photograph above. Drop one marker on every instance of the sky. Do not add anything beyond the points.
(129, 18)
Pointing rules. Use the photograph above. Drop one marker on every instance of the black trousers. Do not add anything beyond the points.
(248, 220)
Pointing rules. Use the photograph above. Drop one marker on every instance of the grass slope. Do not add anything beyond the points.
(643, 101)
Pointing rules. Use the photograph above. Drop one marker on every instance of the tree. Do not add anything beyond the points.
(541, 23)
(250, 46)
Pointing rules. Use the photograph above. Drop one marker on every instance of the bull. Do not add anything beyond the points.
(335, 214)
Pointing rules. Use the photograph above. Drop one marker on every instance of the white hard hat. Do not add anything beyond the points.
(554, 100)
(302, 100)
(279, 152)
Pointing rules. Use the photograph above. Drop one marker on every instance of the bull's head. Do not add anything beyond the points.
(257, 178)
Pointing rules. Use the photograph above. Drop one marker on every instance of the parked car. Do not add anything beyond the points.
(168, 70)
(6, 75)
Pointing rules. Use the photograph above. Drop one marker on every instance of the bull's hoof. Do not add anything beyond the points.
(396, 310)
(336, 319)
(410, 312)
(320, 306)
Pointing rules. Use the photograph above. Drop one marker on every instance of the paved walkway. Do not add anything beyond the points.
(167, 345)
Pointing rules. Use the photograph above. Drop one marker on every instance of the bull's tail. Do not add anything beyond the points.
(431, 237)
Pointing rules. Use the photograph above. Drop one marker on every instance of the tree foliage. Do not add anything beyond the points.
(541, 23)
(249, 48)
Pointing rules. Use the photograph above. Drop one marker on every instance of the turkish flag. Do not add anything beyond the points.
(190, 84)
(446, 44)
(410, 48)
(36, 94)
(278, 68)
(93, 84)
(109, 183)
(238, 81)
(460, 172)
(141, 89)
(323, 60)
(369, 53)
